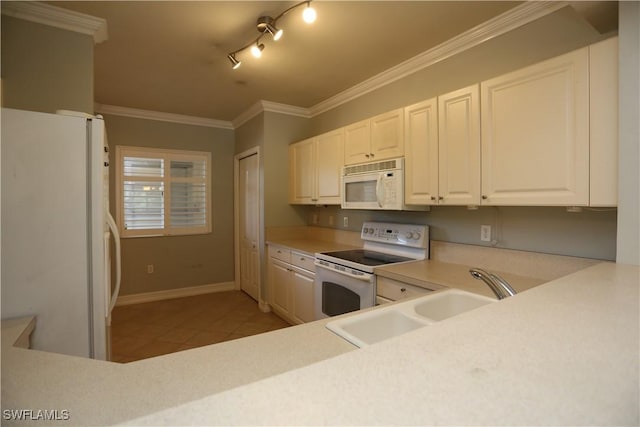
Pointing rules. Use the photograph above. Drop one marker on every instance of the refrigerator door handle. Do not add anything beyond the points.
(116, 237)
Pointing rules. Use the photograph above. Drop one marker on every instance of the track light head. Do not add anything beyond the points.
(234, 62)
(256, 50)
(267, 24)
(309, 14)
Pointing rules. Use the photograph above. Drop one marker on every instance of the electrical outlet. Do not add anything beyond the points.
(331, 220)
(485, 233)
(345, 221)
(149, 268)
(315, 218)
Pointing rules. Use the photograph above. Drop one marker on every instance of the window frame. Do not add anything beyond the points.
(167, 155)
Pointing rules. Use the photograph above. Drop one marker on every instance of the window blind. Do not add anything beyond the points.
(163, 191)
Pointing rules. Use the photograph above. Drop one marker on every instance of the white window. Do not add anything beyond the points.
(163, 192)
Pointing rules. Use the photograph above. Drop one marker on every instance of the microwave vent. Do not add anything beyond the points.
(371, 167)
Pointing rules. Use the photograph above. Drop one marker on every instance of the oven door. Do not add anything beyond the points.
(338, 292)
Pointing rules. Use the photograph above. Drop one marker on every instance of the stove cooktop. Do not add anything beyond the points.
(367, 257)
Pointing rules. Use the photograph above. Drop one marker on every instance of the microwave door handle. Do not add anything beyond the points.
(380, 190)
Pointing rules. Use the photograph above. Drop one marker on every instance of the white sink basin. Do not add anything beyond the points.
(447, 304)
(397, 319)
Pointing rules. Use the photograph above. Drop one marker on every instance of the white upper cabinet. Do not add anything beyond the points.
(357, 142)
(421, 153)
(603, 126)
(459, 147)
(535, 134)
(301, 177)
(315, 166)
(378, 138)
(329, 161)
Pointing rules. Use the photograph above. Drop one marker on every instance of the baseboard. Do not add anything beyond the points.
(175, 293)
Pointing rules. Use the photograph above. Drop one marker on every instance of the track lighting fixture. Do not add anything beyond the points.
(267, 25)
(234, 62)
(309, 14)
(256, 50)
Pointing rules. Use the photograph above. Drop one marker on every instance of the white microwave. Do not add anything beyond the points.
(378, 185)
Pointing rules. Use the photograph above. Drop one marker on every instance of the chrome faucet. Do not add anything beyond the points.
(498, 285)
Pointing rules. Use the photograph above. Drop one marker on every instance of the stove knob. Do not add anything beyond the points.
(416, 236)
(408, 235)
(371, 231)
(365, 230)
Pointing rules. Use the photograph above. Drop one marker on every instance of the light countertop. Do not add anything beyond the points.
(310, 246)
(103, 393)
(422, 273)
(565, 352)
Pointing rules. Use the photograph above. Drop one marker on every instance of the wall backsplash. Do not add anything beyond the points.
(552, 230)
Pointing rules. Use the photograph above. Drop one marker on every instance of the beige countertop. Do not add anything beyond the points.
(421, 273)
(311, 246)
(565, 352)
(103, 393)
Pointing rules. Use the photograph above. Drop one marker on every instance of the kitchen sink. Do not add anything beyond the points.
(447, 304)
(374, 326)
(390, 321)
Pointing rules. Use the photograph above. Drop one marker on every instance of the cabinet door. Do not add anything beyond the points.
(459, 147)
(303, 297)
(357, 143)
(421, 153)
(387, 135)
(329, 161)
(535, 134)
(603, 126)
(279, 281)
(301, 175)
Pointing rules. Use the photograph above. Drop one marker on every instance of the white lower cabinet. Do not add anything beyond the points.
(389, 290)
(291, 281)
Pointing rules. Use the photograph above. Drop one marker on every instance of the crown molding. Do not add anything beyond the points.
(273, 107)
(57, 17)
(163, 117)
(501, 24)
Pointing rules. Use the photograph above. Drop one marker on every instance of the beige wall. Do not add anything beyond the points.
(179, 261)
(45, 68)
(549, 230)
(629, 149)
(280, 130)
(550, 36)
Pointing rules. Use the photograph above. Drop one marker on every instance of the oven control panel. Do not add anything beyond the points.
(412, 235)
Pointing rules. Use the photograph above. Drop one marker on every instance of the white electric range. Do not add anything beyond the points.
(345, 280)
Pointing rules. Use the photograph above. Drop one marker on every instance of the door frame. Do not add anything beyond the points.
(262, 304)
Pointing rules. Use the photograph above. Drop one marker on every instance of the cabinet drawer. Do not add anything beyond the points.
(395, 290)
(280, 253)
(303, 261)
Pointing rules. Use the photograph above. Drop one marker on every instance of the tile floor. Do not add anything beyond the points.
(140, 331)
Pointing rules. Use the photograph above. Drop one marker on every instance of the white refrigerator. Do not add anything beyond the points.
(56, 230)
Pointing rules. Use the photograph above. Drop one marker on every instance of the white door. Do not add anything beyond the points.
(248, 192)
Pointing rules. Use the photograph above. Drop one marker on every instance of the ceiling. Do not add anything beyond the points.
(171, 56)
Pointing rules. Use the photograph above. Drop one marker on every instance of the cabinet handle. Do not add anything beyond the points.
(366, 155)
(484, 197)
(372, 155)
(314, 200)
(433, 197)
(403, 289)
(440, 198)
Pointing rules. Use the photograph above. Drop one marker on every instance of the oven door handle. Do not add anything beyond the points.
(365, 278)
